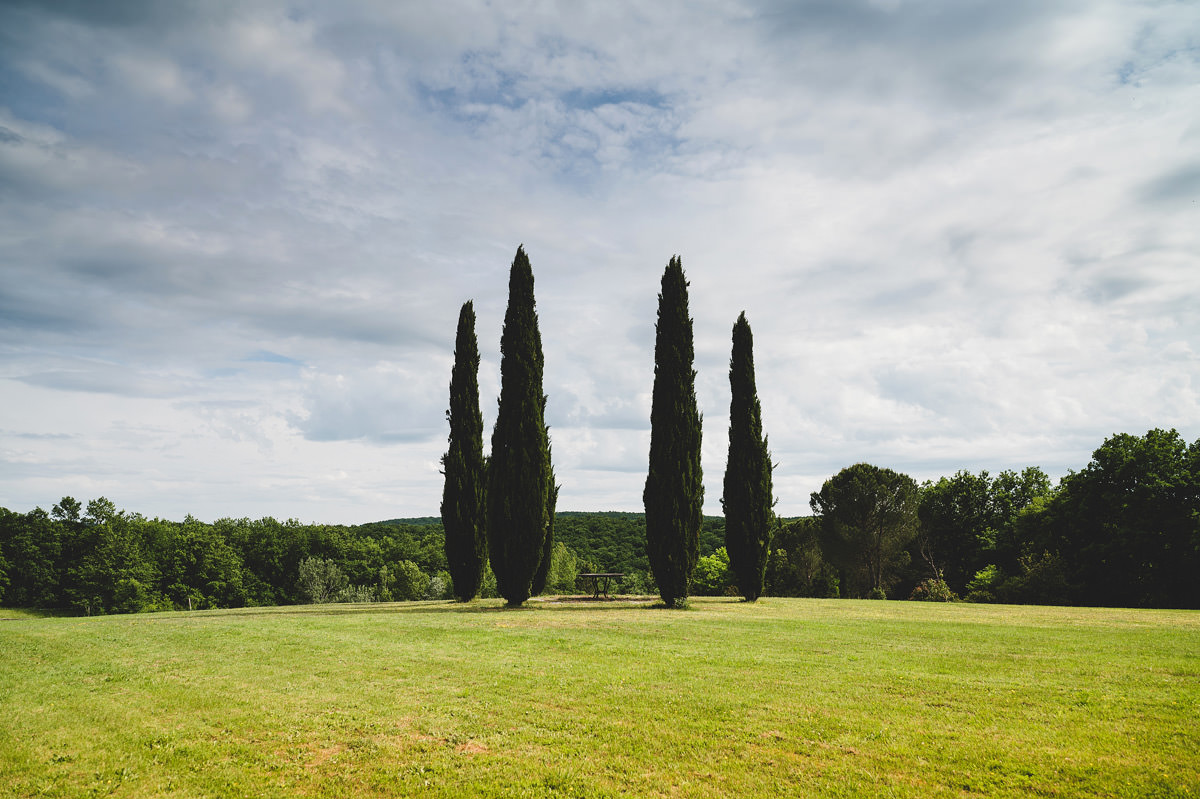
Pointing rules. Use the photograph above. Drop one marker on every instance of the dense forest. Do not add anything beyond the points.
(1124, 531)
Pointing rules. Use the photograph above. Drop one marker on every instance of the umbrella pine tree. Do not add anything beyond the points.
(463, 507)
(674, 494)
(748, 499)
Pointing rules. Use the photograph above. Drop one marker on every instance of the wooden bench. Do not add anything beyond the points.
(600, 581)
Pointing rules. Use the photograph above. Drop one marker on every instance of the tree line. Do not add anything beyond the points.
(1122, 531)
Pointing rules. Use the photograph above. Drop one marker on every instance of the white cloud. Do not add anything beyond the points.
(962, 234)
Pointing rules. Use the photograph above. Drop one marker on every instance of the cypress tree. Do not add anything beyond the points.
(463, 507)
(748, 499)
(674, 494)
(519, 474)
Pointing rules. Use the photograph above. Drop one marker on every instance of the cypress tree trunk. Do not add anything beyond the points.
(519, 474)
(748, 499)
(463, 506)
(674, 494)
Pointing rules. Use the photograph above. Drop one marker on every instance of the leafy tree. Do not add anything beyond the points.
(674, 493)
(748, 498)
(958, 526)
(321, 580)
(563, 571)
(411, 583)
(464, 508)
(1013, 496)
(31, 544)
(1128, 525)
(868, 515)
(200, 566)
(713, 575)
(796, 566)
(67, 510)
(520, 477)
(112, 570)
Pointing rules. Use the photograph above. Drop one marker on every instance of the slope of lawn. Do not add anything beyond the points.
(784, 697)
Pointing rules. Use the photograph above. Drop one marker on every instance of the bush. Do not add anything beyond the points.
(877, 593)
(638, 583)
(933, 589)
(982, 587)
(1042, 581)
(357, 593)
(712, 576)
(441, 586)
(411, 582)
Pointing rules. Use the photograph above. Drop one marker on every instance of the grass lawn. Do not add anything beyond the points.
(791, 697)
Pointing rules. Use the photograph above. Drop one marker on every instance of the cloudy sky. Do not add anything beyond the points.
(235, 237)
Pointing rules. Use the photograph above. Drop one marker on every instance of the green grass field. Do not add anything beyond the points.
(787, 697)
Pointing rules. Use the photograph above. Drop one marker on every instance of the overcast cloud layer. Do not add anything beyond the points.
(234, 237)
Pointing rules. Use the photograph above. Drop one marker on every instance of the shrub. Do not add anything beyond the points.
(982, 587)
(357, 593)
(877, 593)
(441, 586)
(933, 589)
(712, 576)
(411, 582)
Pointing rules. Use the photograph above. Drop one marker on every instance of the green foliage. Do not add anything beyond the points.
(1128, 525)
(796, 566)
(957, 526)
(674, 493)
(931, 589)
(1038, 580)
(520, 477)
(410, 583)
(748, 499)
(868, 515)
(321, 580)
(982, 587)
(440, 587)
(464, 509)
(713, 575)
(563, 570)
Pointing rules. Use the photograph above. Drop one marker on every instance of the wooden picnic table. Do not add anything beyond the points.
(600, 581)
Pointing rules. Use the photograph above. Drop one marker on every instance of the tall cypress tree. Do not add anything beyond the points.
(519, 473)
(674, 494)
(463, 506)
(749, 520)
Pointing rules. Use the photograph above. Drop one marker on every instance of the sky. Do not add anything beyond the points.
(235, 238)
